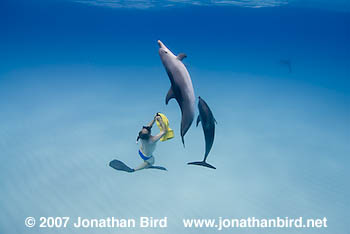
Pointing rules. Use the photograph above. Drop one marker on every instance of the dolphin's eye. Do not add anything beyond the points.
(165, 52)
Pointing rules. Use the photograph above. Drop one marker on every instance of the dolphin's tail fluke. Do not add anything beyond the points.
(202, 163)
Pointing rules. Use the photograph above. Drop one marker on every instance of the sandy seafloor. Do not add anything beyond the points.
(74, 94)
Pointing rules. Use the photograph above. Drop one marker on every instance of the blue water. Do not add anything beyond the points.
(78, 80)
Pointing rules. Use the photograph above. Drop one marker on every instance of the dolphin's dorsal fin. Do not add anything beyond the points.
(169, 96)
(181, 56)
(198, 120)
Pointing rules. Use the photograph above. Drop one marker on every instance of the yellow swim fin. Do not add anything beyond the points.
(169, 132)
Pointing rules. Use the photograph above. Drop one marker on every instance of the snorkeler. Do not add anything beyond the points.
(148, 143)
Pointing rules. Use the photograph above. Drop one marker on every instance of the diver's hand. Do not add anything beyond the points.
(158, 118)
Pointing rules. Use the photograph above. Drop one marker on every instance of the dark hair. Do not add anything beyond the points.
(147, 127)
(144, 136)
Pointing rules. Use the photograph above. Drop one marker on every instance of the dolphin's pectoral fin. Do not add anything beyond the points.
(198, 120)
(181, 56)
(169, 96)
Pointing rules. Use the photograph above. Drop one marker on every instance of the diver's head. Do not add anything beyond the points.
(145, 133)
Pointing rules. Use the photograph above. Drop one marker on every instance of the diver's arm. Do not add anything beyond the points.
(152, 122)
(161, 133)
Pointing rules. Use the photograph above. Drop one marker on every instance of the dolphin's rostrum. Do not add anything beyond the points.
(208, 124)
(181, 86)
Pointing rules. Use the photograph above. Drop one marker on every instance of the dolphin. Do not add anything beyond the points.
(208, 124)
(181, 86)
(287, 63)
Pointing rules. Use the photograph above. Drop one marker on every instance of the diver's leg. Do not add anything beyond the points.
(149, 162)
(142, 166)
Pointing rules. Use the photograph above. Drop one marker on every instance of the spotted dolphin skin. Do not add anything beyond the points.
(181, 86)
(208, 124)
